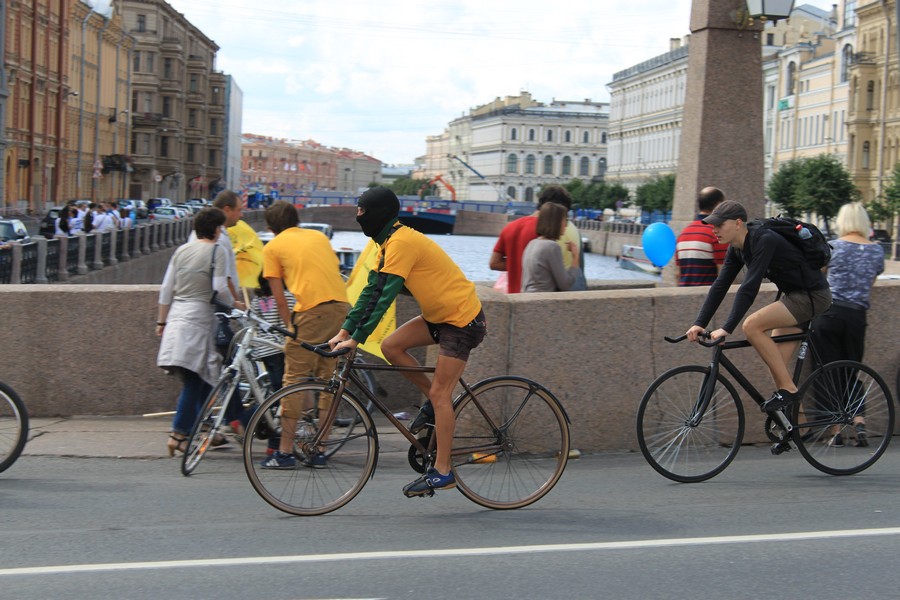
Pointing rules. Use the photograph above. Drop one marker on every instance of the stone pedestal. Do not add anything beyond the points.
(721, 131)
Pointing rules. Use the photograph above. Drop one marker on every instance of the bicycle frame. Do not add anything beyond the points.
(719, 359)
(345, 373)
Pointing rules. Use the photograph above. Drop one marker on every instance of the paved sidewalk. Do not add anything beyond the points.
(136, 437)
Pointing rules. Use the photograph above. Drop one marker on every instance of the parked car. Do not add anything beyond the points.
(199, 201)
(166, 213)
(140, 207)
(154, 203)
(48, 223)
(192, 209)
(266, 236)
(13, 230)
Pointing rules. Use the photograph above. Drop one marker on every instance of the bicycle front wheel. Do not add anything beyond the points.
(837, 399)
(511, 442)
(208, 423)
(676, 441)
(306, 490)
(13, 426)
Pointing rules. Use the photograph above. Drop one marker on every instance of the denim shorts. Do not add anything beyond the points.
(457, 342)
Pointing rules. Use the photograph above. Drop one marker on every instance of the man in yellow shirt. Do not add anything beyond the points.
(451, 317)
(303, 261)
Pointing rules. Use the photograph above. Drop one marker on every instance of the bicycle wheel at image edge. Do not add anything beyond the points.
(13, 426)
(835, 398)
(306, 491)
(519, 458)
(676, 444)
(208, 423)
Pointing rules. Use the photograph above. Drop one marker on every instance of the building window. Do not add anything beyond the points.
(529, 164)
(167, 106)
(548, 165)
(134, 102)
(192, 117)
(511, 192)
(849, 13)
(213, 127)
(531, 135)
(846, 59)
(164, 145)
(148, 102)
(790, 79)
(549, 135)
(168, 68)
(136, 62)
(770, 97)
(190, 152)
(870, 95)
(584, 166)
(586, 138)
(529, 194)
(865, 155)
(601, 167)
(512, 134)
(150, 62)
(568, 136)
(512, 164)
(567, 165)
(603, 138)
(142, 23)
(212, 158)
(770, 39)
(195, 83)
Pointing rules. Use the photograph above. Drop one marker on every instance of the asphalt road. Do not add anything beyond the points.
(767, 527)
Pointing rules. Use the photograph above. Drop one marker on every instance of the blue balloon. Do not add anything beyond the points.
(659, 243)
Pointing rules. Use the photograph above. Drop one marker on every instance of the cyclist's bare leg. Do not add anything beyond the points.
(412, 334)
(787, 349)
(446, 375)
(757, 327)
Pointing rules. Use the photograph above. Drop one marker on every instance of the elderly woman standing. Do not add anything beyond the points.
(187, 321)
(840, 333)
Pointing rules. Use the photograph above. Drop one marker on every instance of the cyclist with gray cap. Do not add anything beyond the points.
(804, 294)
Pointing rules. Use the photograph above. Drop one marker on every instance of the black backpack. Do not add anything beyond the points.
(804, 236)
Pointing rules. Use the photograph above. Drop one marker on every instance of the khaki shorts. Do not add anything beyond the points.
(799, 305)
(316, 325)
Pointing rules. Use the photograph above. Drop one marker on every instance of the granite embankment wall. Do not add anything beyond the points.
(75, 350)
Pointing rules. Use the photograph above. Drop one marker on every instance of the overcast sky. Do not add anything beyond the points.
(379, 76)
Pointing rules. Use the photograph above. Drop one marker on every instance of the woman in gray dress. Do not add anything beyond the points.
(543, 269)
(187, 321)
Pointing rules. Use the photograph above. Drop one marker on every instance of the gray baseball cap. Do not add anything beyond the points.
(728, 209)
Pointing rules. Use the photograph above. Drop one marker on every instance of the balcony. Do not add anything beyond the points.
(171, 45)
(862, 58)
(146, 119)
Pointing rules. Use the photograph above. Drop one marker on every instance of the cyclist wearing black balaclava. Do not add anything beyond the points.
(451, 317)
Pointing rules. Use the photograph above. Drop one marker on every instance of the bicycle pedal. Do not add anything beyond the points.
(781, 448)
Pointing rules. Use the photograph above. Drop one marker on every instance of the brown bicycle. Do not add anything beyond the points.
(510, 446)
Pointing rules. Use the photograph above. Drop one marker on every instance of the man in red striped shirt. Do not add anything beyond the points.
(698, 253)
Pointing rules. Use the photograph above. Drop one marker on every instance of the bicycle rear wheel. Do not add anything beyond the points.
(835, 398)
(518, 456)
(303, 490)
(677, 444)
(208, 423)
(13, 426)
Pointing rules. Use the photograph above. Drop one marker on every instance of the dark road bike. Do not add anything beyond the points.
(510, 447)
(690, 422)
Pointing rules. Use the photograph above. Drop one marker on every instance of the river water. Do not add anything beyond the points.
(472, 252)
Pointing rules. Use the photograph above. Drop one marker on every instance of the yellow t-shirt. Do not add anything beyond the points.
(571, 234)
(248, 254)
(305, 260)
(435, 281)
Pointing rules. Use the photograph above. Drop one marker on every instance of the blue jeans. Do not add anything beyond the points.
(190, 402)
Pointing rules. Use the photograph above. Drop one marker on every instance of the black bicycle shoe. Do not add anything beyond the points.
(779, 400)
(425, 418)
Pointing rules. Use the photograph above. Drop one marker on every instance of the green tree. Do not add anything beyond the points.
(782, 188)
(616, 193)
(824, 185)
(657, 194)
(577, 190)
(888, 206)
(404, 186)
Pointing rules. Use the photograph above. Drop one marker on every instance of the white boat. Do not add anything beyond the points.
(634, 259)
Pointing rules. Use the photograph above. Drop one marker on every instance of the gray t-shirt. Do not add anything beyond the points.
(543, 269)
(852, 270)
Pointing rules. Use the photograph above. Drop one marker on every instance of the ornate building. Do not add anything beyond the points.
(505, 150)
(178, 105)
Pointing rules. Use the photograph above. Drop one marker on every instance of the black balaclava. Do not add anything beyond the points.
(382, 207)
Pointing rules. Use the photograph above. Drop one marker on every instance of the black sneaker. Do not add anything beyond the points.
(427, 483)
(316, 461)
(779, 400)
(425, 418)
(862, 438)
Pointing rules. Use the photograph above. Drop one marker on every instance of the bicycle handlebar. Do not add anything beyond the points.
(323, 349)
(230, 312)
(703, 336)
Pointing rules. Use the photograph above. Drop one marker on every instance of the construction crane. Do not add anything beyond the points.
(436, 179)
(501, 195)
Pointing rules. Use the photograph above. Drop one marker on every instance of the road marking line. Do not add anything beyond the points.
(451, 552)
